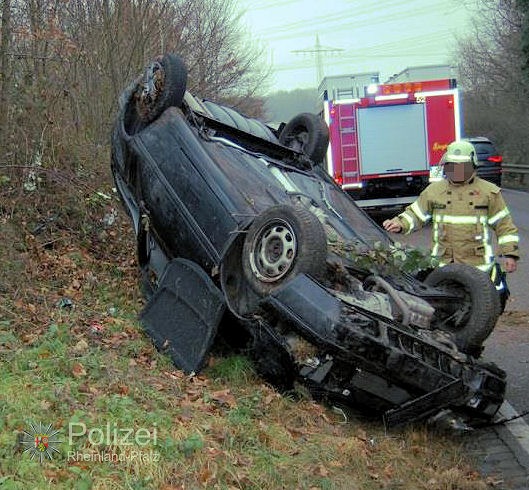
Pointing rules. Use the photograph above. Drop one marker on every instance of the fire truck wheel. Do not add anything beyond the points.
(471, 319)
(308, 134)
(163, 85)
(282, 242)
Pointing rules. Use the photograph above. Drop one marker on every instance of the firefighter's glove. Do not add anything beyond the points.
(392, 225)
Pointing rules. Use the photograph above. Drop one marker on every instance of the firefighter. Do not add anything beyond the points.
(463, 210)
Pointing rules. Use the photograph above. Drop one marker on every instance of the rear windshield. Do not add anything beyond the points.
(485, 149)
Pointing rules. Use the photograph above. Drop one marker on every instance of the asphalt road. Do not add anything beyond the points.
(508, 345)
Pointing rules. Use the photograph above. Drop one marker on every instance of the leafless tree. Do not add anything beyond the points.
(224, 65)
(68, 60)
(491, 74)
(4, 67)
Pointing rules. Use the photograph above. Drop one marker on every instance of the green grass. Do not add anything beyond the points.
(92, 366)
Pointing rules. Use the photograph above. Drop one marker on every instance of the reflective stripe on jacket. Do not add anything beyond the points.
(463, 217)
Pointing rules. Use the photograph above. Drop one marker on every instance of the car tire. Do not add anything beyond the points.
(479, 298)
(282, 242)
(308, 134)
(163, 85)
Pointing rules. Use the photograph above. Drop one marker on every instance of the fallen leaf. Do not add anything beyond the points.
(78, 370)
(81, 346)
(270, 397)
(29, 338)
(159, 386)
(214, 452)
(122, 389)
(224, 398)
(362, 435)
(174, 374)
(186, 414)
(320, 470)
(206, 475)
(84, 388)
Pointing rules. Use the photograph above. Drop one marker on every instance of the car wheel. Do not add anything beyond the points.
(471, 319)
(163, 85)
(308, 134)
(282, 242)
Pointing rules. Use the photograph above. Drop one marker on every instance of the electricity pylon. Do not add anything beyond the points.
(317, 50)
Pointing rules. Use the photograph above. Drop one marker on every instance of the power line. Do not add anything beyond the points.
(341, 21)
(347, 61)
(329, 19)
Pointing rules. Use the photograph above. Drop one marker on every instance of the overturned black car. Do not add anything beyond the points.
(234, 218)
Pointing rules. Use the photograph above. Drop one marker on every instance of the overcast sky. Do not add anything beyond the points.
(385, 36)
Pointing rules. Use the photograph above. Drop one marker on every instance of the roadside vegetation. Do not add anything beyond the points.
(71, 348)
(493, 67)
(73, 352)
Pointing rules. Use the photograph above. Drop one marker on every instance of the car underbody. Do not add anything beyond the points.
(235, 219)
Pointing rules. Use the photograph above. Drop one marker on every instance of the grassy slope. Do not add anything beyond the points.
(92, 364)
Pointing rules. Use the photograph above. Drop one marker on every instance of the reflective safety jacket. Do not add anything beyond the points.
(463, 217)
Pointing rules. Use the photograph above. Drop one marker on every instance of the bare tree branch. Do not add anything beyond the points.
(491, 61)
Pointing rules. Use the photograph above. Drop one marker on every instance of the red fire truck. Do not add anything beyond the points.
(385, 147)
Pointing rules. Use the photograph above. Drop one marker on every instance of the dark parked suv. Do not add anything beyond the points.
(489, 160)
(241, 224)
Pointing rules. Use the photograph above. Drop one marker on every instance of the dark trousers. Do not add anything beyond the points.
(499, 279)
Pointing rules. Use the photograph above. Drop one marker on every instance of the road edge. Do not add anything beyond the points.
(514, 434)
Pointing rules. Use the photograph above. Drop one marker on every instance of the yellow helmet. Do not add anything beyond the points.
(460, 152)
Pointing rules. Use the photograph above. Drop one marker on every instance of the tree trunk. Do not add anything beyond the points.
(4, 62)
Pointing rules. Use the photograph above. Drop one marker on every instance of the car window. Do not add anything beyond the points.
(485, 149)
